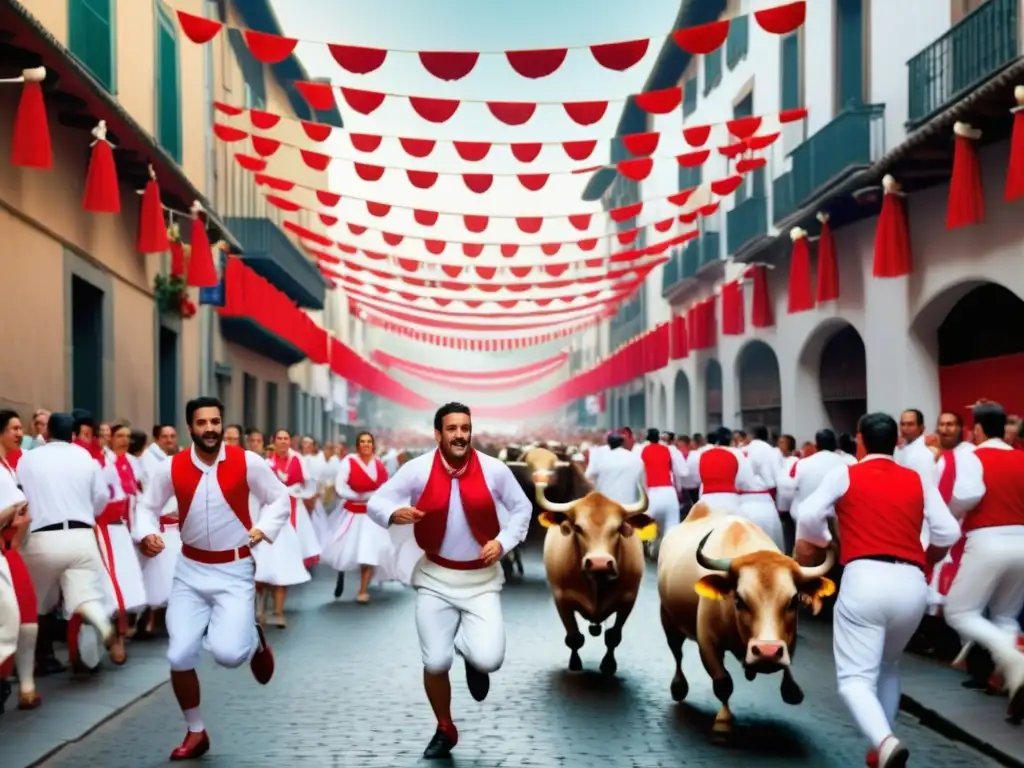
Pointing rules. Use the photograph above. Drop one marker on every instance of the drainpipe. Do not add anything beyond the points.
(206, 324)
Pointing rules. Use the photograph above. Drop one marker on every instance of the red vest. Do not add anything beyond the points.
(1003, 502)
(882, 513)
(232, 476)
(477, 504)
(657, 465)
(361, 482)
(718, 469)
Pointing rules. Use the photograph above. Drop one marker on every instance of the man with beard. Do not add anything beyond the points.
(214, 581)
(441, 508)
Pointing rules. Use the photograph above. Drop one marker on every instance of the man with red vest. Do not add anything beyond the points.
(214, 588)
(663, 471)
(724, 473)
(880, 507)
(441, 509)
(991, 573)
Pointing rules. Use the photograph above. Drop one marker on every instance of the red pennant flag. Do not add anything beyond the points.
(828, 270)
(102, 194)
(152, 229)
(30, 142)
(893, 257)
(966, 204)
(177, 259)
(202, 272)
(800, 298)
(1015, 171)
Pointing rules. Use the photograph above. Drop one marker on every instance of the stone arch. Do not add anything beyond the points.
(713, 394)
(681, 401)
(759, 386)
(834, 358)
(971, 333)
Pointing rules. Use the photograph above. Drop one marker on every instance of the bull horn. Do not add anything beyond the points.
(818, 571)
(551, 506)
(712, 563)
(563, 463)
(638, 507)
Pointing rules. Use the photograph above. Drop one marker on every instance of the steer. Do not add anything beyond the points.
(594, 563)
(724, 584)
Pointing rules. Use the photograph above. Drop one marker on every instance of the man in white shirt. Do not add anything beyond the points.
(616, 472)
(12, 503)
(804, 476)
(758, 503)
(915, 454)
(66, 490)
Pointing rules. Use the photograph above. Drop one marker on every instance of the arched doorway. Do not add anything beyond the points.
(681, 400)
(844, 379)
(760, 390)
(980, 349)
(713, 394)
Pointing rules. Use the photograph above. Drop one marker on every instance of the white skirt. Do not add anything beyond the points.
(307, 535)
(357, 541)
(324, 523)
(158, 572)
(121, 563)
(280, 563)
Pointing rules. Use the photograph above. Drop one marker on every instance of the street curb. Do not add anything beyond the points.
(941, 724)
(97, 725)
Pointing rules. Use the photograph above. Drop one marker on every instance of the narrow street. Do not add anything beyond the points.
(347, 693)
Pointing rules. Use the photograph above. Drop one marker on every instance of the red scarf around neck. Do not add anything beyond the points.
(477, 503)
(948, 477)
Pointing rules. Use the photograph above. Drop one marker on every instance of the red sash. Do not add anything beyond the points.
(290, 475)
(477, 503)
(948, 570)
(361, 482)
(231, 476)
(948, 478)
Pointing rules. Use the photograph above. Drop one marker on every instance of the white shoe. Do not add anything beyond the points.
(892, 754)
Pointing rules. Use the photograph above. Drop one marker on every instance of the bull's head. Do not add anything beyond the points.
(543, 465)
(766, 589)
(599, 526)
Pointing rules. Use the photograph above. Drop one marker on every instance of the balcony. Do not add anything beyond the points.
(979, 46)
(265, 246)
(251, 335)
(672, 274)
(710, 244)
(851, 142)
(745, 223)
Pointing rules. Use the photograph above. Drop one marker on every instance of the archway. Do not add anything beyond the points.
(661, 408)
(636, 411)
(980, 349)
(713, 394)
(757, 370)
(843, 378)
(681, 401)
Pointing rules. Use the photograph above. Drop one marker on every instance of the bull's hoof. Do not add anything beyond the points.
(791, 692)
(595, 630)
(575, 662)
(679, 688)
(750, 673)
(608, 665)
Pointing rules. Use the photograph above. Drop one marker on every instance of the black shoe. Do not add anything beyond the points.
(339, 586)
(49, 664)
(5, 692)
(479, 683)
(440, 746)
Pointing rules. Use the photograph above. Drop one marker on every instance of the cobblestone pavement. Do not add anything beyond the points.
(347, 692)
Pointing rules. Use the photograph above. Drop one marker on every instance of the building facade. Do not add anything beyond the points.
(883, 91)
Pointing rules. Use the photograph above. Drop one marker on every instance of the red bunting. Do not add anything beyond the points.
(102, 192)
(679, 338)
(733, 312)
(799, 297)
(30, 141)
(893, 256)
(828, 269)
(202, 272)
(966, 204)
(1015, 171)
(761, 314)
(152, 237)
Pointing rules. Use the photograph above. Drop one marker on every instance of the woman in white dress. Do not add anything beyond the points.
(357, 540)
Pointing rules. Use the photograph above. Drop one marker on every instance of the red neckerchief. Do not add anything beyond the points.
(477, 502)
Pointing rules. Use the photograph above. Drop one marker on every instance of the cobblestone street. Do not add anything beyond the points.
(347, 692)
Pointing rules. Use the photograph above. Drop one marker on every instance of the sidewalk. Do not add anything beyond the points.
(933, 693)
(72, 707)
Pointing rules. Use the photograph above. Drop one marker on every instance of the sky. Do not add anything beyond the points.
(485, 26)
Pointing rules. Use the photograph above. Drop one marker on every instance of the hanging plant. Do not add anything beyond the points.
(171, 291)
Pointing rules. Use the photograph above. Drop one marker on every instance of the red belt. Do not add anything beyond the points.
(457, 565)
(167, 520)
(356, 507)
(220, 557)
(660, 485)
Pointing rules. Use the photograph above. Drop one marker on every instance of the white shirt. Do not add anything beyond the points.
(849, 458)
(11, 497)
(763, 463)
(406, 486)
(969, 488)
(211, 524)
(62, 483)
(785, 489)
(680, 471)
(809, 474)
(330, 470)
(815, 510)
(595, 453)
(693, 466)
(344, 490)
(617, 474)
(390, 460)
(915, 455)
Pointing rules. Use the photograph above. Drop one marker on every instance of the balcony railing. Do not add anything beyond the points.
(982, 43)
(710, 249)
(266, 247)
(745, 222)
(855, 137)
(783, 204)
(672, 274)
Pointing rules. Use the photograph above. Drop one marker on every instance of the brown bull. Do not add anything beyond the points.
(594, 563)
(724, 584)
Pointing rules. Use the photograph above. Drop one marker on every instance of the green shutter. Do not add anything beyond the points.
(91, 39)
(790, 76)
(712, 70)
(690, 97)
(850, 52)
(737, 41)
(168, 84)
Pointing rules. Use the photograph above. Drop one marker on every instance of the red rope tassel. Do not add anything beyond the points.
(102, 194)
(828, 270)
(202, 272)
(800, 297)
(152, 229)
(893, 257)
(966, 205)
(30, 142)
(1015, 171)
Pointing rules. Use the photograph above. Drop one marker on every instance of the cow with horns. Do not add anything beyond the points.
(725, 585)
(594, 561)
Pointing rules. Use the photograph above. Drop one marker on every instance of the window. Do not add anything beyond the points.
(790, 75)
(712, 70)
(690, 97)
(849, 54)
(168, 83)
(689, 177)
(737, 41)
(223, 384)
(91, 39)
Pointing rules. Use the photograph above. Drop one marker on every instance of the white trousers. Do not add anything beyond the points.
(879, 608)
(68, 559)
(10, 618)
(759, 508)
(663, 506)
(218, 600)
(991, 576)
(473, 626)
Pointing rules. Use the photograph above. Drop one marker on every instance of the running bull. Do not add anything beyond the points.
(594, 562)
(725, 585)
